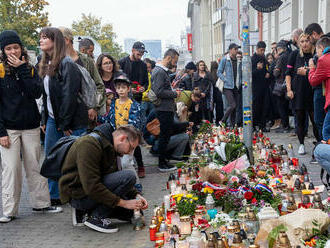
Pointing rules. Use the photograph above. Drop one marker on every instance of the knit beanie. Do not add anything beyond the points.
(191, 66)
(8, 37)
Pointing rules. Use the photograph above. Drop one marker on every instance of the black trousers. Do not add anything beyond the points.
(260, 106)
(166, 120)
(217, 96)
(138, 156)
(119, 183)
(168, 127)
(301, 121)
(283, 110)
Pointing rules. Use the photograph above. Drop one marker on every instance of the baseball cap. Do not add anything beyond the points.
(140, 47)
(122, 78)
(233, 45)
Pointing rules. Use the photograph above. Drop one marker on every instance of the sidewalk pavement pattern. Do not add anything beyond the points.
(32, 230)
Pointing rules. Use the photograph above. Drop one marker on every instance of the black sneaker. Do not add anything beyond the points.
(101, 225)
(165, 167)
(51, 209)
(78, 217)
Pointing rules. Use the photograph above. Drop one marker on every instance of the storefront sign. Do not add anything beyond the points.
(190, 44)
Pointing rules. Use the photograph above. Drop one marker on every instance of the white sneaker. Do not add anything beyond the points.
(301, 150)
(6, 219)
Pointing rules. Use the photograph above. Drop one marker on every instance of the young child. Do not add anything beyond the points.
(110, 96)
(125, 111)
(194, 111)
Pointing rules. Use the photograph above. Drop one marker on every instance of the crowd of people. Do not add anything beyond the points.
(138, 101)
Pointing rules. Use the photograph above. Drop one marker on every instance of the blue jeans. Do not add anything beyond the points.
(322, 155)
(119, 183)
(146, 108)
(326, 127)
(319, 113)
(51, 137)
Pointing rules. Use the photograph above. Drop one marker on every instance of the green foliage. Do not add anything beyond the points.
(26, 17)
(186, 206)
(272, 236)
(90, 25)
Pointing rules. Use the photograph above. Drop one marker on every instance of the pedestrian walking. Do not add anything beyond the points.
(64, 114)
(227, 72)
(20, 86)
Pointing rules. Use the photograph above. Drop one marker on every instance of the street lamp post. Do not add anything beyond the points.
(247, 80)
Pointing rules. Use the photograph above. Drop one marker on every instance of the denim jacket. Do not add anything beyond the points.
(135, 116)
(226, 74)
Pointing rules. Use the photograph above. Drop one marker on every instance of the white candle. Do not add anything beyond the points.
(167, 202)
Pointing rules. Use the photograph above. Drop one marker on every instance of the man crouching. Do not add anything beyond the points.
(93, 182)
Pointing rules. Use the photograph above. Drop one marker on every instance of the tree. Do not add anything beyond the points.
(26, 17)
(90, 25)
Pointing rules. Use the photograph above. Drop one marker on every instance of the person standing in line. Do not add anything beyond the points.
(280, 97)
(64, 115)
(161, 86)
(88, 63)
(298, 88)
(108, 69)
(315, 32)
(136, 71)
(86, 46)
(319, 74)
(217, 95)
(202, 80)
(227, 72)
(260, 86)
(186, 82)
(20, 86)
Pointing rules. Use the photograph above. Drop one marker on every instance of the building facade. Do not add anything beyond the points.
(215, 24)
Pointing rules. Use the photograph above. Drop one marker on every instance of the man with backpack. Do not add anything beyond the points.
(94, 184)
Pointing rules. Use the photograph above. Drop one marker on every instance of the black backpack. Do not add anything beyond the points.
(52, 166)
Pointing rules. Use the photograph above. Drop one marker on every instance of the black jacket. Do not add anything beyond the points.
(204, 84)
(126, 66)
(69, 111)
(18, 93)
(186, 83)
(161, 85)
(281, 67)
(259, 82)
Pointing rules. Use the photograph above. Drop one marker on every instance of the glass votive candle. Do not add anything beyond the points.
(185, 225)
